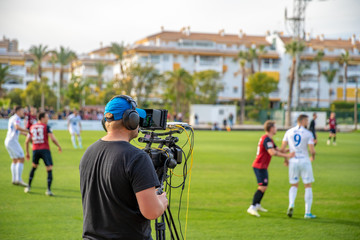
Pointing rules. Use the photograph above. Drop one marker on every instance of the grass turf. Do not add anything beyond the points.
(222, 187)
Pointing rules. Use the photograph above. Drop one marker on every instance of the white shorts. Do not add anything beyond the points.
(14, 149)
(74, 130)
(301, 169)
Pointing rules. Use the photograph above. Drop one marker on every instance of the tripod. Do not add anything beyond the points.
(160, 226)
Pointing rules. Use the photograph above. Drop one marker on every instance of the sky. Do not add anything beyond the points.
(83, 24)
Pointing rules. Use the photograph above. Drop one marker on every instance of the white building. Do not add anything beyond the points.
(170, 50)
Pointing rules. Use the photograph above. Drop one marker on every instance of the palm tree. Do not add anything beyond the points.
(38, 53)
(118, 50)
(4, 73)
(180, 89)
(245, 57)
(330, 76)
(344, 60)
(293, 49)
(318, 58)
(260, 51)
(53, 61)
(64, 57)
(100, 68)
(300, 73)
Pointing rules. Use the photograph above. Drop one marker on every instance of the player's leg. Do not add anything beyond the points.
(308, 178)
(49, 164)
(334, 137)
(35, 163)
(73, 140)
(79, 139)
(262, 179)
(14, 161)
(294, 181)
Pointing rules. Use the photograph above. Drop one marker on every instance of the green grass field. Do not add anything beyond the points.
(222, 187)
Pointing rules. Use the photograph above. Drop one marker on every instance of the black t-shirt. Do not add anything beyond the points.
(312, 128)
(110, 175)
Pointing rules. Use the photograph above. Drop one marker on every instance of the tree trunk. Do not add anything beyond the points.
(242, 106)
(345, 83)
(291, 85)
(298, 92)
(318, 87)
(259, 64)
(60, 86)
(53, 75)
(330, 91)
(40, 71)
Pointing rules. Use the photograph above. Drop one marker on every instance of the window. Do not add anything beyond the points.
(208, 60)
(155, 59)
(221, 111)
(166, 58)
(235, 89)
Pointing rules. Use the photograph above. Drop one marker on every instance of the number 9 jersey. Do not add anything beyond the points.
(298, 139)
(39, 136)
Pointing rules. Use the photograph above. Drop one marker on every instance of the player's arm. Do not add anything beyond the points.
(54, 140)
(282, 148)
(151, 205)
(28, 139)
(23, 131)
(275, 152)
(80, 125)
(312, 152)
(68, 123)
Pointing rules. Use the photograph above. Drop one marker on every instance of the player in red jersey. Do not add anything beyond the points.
(39, 135)
(265, 150)
(332, 128)
(30, 117)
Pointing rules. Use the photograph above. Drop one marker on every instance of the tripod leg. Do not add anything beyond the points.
(160, 228)
(171, 223)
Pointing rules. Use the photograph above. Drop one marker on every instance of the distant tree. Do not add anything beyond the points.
(344, 60)
(118, 50)
(293, 49)
(259, 86)
(64, 57)
(260, 51)
(243, 59)
(100, 68)
(318, 58)
(208, 86)
(38, 53)
(4, 76)
(301, 67)
(15, 96)
(179, 89)
(32, 94)
(330, 76)
(144, 78)
(76, 89)
(53, 60)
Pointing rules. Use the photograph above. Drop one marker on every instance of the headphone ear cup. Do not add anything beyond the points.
(131, 119)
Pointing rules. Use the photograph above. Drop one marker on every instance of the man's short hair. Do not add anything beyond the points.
(268, 125)
(301, 117)
(114, 124)
(17, 108)
(41, 115)
(314, 114)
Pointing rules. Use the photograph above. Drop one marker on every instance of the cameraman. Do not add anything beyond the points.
(118, 180)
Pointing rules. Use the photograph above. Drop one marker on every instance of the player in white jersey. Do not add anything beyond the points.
(74, 126)
(299, 140)
(13, 146)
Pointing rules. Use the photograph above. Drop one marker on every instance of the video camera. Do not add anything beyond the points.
(167, 154)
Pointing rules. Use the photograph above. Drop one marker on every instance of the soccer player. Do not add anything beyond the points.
(265, 150)
(74, 126)
(39, 134)
(312, 127)
(332, 128)
(299, 140)
(13, 146)
(31, 117)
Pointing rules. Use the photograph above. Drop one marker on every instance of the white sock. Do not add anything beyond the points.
(292, 196)
(73, 141)
(308, 200)
(79, 141)
(13, 172)
(19, 169)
